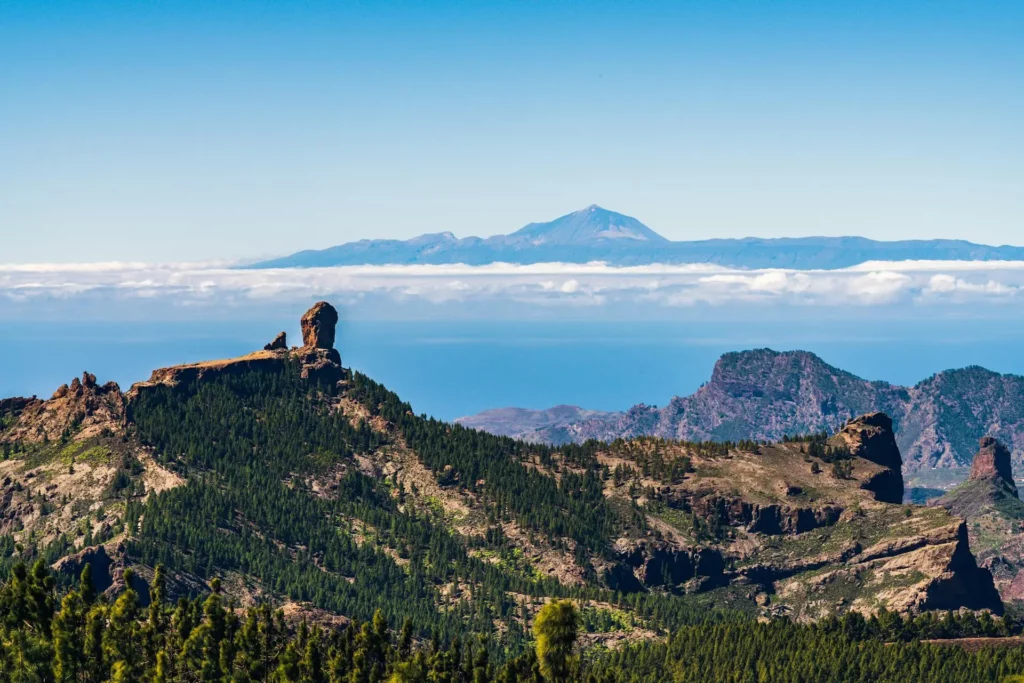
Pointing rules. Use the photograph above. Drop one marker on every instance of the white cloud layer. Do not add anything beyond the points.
(918, 283)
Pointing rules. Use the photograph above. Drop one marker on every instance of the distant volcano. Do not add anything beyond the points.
(597, 234)
(586, 226)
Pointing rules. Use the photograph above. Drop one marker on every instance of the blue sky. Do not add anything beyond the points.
(190, 131)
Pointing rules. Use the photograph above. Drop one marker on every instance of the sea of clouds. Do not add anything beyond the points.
(503, 289)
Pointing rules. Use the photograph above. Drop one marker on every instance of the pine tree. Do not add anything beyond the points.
(556, 629)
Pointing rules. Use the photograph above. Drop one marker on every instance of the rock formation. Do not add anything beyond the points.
(280, 343)
(107, 566)
(871, 437)
(318, 360)
(80, 409)
(992, 507)
(765, 522)
(318, 325)
(993, 462)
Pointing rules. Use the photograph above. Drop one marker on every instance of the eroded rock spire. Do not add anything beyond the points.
(993, 462)
(318, 326)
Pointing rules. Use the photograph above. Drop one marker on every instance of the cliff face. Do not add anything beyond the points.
(766, 395)
(871, 437)
(798, 534)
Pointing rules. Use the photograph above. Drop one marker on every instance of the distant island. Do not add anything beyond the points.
(597, 234)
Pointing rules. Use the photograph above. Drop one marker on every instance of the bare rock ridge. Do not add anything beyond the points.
(993, 462)
(871, 437)
(82, 406)
(319, 361)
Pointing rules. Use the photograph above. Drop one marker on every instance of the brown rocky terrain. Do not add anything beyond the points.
(83, 407)
(800, 536)
(70, 466)
(767, 395)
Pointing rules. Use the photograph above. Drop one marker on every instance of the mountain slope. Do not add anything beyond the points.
(765, 395)
(597, 234)
(292, 480)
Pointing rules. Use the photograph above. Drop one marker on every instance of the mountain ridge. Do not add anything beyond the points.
(598, 234)
(766, 394)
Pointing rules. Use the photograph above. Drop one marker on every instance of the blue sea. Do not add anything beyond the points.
(451, 369)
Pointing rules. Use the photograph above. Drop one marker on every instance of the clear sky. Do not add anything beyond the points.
(190, 131)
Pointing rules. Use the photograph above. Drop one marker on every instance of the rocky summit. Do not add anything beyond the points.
(317, 358)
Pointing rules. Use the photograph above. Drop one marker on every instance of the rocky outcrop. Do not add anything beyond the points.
(318, 360)
(107, 565)
(871, 437)
(280, 343)
(80, 409)
(993, 462)
(763, 518)
(990, 491)
(318, 326)
(648, 564)
(931, 569)
(990, 503)
(955, 579)
(11, 408)
(185, 375)
(928, 570)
